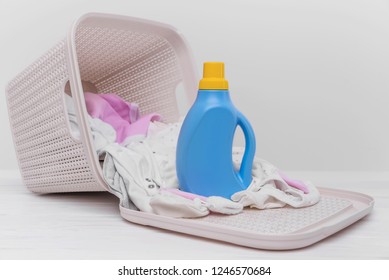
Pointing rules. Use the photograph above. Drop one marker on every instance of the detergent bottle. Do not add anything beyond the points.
(204, 150)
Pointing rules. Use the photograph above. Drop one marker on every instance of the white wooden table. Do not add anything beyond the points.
(89, 226)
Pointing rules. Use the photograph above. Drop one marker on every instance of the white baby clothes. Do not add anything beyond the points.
(269, 190)
(215, 204)
(103, 134)
(133, 176)
(177, 207)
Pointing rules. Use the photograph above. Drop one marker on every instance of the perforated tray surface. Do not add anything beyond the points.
(275, 229)
(283, 220)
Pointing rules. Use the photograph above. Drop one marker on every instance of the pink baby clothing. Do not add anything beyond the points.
(123, 116)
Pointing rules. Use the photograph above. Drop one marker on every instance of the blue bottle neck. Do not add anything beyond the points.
(214, 94)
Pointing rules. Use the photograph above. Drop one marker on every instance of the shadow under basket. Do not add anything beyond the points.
(150, 64)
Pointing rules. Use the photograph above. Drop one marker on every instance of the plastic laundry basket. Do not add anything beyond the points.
(143, 62)
(140, 60)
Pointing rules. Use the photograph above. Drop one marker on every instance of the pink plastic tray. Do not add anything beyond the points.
(274, 229)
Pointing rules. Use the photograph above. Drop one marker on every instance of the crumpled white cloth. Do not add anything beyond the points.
(269, 190)
(133, 176)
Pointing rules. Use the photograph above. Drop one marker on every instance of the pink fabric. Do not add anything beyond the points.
(297, 184)
(124, 117)
(127, 111)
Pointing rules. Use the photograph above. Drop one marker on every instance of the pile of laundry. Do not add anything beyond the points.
(139, 156)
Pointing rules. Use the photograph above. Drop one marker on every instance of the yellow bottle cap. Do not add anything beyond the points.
(213, 76)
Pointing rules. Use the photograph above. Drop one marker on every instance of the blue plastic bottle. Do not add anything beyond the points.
(204, 150)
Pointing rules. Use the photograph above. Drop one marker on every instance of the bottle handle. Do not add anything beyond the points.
(249, 153)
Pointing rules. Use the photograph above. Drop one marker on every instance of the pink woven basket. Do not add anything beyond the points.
(140, 60)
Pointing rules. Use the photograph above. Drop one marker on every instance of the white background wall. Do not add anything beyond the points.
(312, 76)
